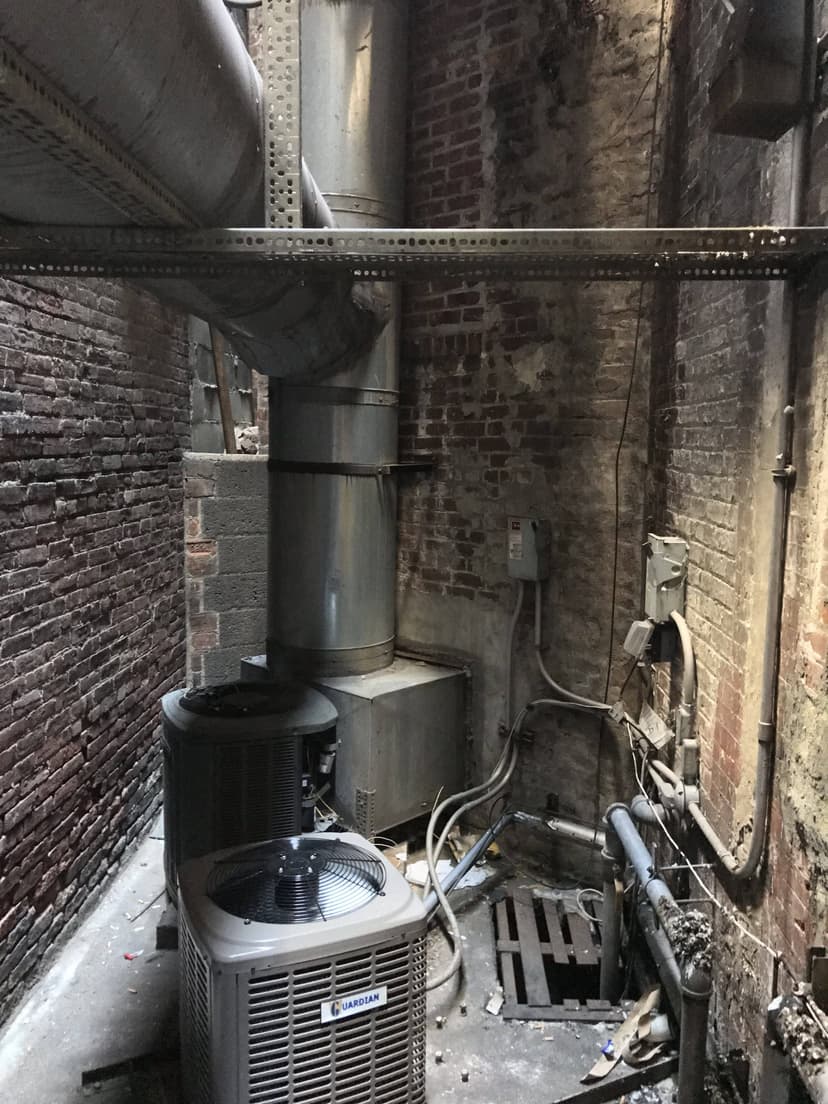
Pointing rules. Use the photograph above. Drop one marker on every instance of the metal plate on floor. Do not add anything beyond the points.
(147, 1079)
(549, 957)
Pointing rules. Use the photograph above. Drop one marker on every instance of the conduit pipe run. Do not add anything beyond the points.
(687, 986)
(782, 475)
(562, 692)
(567, 829)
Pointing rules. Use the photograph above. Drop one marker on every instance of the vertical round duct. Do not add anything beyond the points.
(333, 494)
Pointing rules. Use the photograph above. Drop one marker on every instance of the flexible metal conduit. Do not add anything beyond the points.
(624, 844)
(151, 114)
(566, 829)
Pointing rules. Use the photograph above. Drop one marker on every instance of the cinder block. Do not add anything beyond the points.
(245, 629)
(235, 592)
(242, 516)
(242, 555)
(241, 476)
(222, 665)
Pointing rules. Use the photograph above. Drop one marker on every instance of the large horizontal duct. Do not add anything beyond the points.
(150, 114)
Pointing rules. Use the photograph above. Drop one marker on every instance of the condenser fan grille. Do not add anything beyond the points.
(295, 881)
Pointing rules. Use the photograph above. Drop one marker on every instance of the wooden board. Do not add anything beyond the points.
(534, 971)
(582, 945)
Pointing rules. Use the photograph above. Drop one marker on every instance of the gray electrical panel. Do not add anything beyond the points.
(666, 581)
(528, 541)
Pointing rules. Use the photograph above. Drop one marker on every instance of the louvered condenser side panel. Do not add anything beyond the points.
(257, 792)
(377, 1057)
(196, 1014)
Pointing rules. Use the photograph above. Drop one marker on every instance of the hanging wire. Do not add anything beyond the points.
(627, 405)
(725, 911)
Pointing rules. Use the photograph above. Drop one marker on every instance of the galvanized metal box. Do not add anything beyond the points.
(401, 737)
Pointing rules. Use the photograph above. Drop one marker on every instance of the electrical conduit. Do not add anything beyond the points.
(782, 476)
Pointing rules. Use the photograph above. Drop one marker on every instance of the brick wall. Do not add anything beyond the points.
(226, 558)
(531, 114)
(715, 405)
(94, 415)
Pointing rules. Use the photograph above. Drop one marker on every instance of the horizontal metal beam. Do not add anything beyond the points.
(736, 253)
(616, 1088)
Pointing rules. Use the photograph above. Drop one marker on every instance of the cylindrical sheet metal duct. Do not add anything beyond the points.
(334, 443)
(172, 83)
(150, 113)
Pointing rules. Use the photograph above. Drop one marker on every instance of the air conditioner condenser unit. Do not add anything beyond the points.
(233, 760)
(303, 976)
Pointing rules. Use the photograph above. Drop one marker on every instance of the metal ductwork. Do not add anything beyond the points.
(150, 114)
(333, 492)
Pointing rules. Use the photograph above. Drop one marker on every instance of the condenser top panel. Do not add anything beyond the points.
(296, 880)
(246, 708)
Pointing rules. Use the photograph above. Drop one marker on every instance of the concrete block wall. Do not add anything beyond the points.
(207, 434)
(226, 559)
(532, 114)
(715, 404)
(94, 417)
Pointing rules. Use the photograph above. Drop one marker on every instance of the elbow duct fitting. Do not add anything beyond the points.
(156, 111)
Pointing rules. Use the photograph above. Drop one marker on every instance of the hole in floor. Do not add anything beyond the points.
(549, 958)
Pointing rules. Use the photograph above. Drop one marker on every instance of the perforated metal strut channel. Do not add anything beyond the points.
(738, 253)
(282, 114)
(33, 107)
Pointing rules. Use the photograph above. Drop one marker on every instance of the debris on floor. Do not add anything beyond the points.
(638, 1020)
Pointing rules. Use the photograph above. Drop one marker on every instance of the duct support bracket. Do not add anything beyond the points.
(735, 253)
(282, 114)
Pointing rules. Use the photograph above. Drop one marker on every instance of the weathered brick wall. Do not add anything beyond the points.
(530, 114)
(226, 560)
(94, 415)
(715, 404)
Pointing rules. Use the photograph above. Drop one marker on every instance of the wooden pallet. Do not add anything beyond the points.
(549, 958)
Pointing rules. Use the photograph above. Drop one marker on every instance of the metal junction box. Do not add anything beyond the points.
(528, 541)
(400, 738)
(666, 580)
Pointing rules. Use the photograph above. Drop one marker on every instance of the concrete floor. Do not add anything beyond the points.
(94, 1008)
(508, 1061)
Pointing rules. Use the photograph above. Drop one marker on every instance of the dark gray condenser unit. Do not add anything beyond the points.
(303, 969)
(233, 759)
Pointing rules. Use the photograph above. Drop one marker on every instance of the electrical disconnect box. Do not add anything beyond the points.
(528, 549)
(666, 581)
